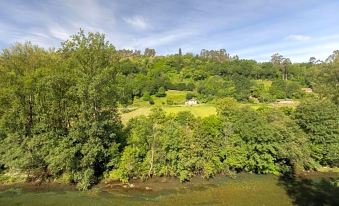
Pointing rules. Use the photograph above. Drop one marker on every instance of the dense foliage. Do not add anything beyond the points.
(58, 109)
(59, 114)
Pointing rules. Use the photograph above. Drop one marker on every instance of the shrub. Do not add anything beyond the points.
(146, 96)
(150, 101)
(161, 92)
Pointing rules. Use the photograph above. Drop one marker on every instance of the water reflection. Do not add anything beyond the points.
(311, 192)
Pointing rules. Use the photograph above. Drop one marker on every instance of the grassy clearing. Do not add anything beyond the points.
(177, 98)
(141, 107)
(174, 96)
(202, 110)
(125, 117)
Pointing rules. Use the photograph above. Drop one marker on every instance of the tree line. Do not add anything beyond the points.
(59, 114)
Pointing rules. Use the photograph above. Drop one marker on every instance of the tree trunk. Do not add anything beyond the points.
(30, 116)
(151, 161)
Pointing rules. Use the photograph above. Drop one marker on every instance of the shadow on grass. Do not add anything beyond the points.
(308, 192)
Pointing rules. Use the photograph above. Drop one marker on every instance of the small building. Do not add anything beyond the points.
(191, 102)
(307, 90)
(284, 101)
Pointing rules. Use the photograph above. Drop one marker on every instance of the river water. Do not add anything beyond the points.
(244, 189)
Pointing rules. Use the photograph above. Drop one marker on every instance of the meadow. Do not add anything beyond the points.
(178, 98)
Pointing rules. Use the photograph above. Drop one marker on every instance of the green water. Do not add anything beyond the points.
(245, 189)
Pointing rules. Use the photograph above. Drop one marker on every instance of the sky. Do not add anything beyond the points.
(251, 29)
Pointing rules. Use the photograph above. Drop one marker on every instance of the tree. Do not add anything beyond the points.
(312, 60)
(142, 155)
(23, 119)
(333, 58)
(149, 52)
(285, 64)
(281, 89)
(319, 120)
(259, 141)
(146, 96)
(215, 55)
(277, 59)
(324, 79)
(214, 86)
(93, 138)
(207, 157)
(282, 63)
(243, 88)
(61, 117)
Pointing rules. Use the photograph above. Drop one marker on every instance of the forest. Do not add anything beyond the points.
(60, 113)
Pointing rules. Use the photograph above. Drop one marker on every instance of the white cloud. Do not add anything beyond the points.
(137, 22)
(299, 37)
(59, 33)
(321, 48)
(160, 39)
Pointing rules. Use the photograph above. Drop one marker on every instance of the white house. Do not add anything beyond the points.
(191, 102)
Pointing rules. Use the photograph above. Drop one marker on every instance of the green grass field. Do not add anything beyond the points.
(202, 110)
(141, 107)
(177, 97)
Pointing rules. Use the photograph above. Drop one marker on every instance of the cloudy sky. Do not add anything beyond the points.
(252, 29)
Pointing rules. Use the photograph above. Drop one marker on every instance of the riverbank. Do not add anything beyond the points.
(17, 179)
(243, 189)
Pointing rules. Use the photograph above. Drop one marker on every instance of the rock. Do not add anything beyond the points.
(131, 185)
(148, 188)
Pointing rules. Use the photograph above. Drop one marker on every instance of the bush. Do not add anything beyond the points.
(127, 110)
(189, 95)
(161, 92)
(151, 101)
(146, 96)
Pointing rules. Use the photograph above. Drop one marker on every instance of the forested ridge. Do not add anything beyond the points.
(60, 119)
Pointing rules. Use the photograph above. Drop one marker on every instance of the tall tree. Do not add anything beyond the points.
(94, 134)
(149, 52)
(23, 138)
(282, 63)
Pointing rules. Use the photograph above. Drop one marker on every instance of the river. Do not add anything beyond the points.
(244, 189)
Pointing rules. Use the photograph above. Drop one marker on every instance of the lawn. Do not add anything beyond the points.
(201, 110)
(178, 99)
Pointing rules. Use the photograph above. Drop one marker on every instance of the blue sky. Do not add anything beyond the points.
(253, 29)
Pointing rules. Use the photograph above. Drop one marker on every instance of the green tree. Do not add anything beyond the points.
(161, 92)
(94, 135)
(24, 142)
(320, 121)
